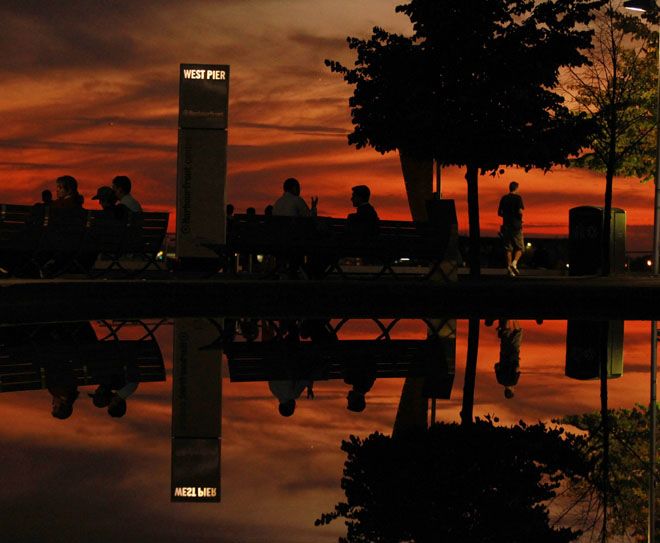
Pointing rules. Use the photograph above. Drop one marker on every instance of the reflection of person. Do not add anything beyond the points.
(365, 219)
(290, 204)
(122, 187)
(287, 391)
(113, 394)
(510, 209)
(507, 370)
(64, 392)
(361, 378)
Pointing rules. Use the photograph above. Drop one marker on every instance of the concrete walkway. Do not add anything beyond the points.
(491, 296)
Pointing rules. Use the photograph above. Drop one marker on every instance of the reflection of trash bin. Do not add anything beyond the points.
(587, 342)
(585, 230)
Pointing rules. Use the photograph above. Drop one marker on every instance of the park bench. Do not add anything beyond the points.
(433, 360)
(40, 240)
(325, 241)
(29, 366)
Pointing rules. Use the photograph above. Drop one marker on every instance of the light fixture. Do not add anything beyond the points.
(638, 5)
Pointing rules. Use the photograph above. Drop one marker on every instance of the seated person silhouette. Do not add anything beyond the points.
(68, 196)
(291, 204)
(115, 391)
(361, 378)
(507, 370)
(63, 388)
(287, 391)
(108, 202)
(364, 222)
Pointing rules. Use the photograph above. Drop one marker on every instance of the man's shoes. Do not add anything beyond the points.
(510, 271)
(515, 269)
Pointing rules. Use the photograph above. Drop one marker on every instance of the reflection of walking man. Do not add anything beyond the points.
(510, 209)
(507, 370)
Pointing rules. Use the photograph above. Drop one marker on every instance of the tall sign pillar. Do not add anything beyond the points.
(196, 412)
(201, 161)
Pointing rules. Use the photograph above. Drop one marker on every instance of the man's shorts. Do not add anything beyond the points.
(512, 238)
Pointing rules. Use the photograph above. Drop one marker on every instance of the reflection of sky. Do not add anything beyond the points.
(93, 477)
(91, 90)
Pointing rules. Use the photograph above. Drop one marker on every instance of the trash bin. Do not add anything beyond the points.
(585, 230)
(587, 342)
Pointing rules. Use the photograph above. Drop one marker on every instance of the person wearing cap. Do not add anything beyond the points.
(108, 201)
(365, 219)
(113, 395)
(121, 185)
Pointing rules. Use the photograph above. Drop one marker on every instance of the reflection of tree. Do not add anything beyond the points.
(628, 472)
(476, 483)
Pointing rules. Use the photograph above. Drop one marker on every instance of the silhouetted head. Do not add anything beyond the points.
(121, 185)
(287, 408)
(508, 392)
(230, 210)
(117, 407)
(361, 194)
(292, 185)
(106, 196)
(356, 401)
(62, 410)
(513, 186)
(268, 211)
(46, 196)
(250, 212)
(66, 185)
(102, 396)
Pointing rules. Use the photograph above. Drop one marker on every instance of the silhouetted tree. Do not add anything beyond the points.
(627, 472)
(617, 89)
(472, 87)
(468, 484)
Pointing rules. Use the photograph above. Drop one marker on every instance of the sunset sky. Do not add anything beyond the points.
(91, 89)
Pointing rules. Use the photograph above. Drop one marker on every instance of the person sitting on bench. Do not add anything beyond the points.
(290, 204)
(68, 196)
(122, 187)
(364, 221)
(108, 201)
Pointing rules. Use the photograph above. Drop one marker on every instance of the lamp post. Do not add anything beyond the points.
(643, 6)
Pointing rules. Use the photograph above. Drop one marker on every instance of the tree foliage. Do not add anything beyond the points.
(617, 89)
(628, 472)
(473, 86)
(476, 483)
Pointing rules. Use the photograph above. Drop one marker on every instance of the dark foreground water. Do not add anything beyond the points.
(93, 477)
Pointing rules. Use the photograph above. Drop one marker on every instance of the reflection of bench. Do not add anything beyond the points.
(281, 360)
(326, 240)
(28, 366)
(42, 239)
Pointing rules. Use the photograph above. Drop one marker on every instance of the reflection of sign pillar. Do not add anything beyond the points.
(196, 419)
(202, 160)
